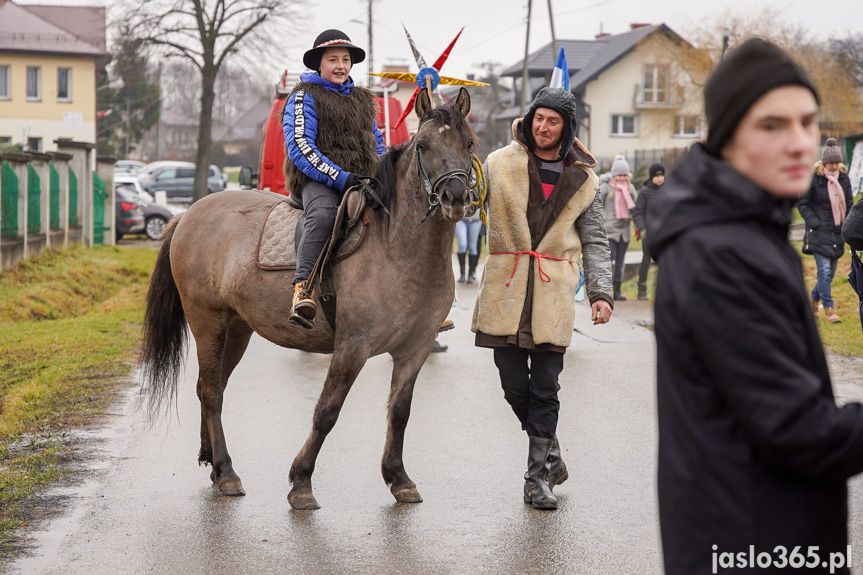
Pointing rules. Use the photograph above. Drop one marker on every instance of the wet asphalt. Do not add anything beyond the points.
(147, 507)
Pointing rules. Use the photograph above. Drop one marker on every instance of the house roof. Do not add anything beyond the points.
(247, 126)
(171, 118)
(586, 59)
(85, 22)
(24, 31)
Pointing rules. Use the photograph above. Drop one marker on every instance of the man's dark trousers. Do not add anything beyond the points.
(530, 386)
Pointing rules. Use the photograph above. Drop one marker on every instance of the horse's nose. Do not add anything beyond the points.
(454, 192)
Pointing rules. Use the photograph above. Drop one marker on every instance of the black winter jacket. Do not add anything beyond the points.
(822, 236)
(645, 196)
(753, 450)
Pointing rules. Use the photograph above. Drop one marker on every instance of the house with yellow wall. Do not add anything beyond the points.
(49, 56)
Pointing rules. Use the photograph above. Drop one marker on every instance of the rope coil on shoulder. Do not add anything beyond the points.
(479, 188)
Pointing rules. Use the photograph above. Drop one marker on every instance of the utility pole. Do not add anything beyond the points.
(371, 49)
(553, 37)
(128, 129)
(524, 83)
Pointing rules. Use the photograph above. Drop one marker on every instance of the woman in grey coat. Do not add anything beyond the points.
(618, 200)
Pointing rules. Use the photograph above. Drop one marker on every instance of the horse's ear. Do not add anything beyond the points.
(423, 104)
(462, 102)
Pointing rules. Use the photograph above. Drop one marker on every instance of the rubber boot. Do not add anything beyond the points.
(642, 291)
(462, 274)
(471, 272)
(536, 490)
(438, 347)
(557, 472)
(617, 295)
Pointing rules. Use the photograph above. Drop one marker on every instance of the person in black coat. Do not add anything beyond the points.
(754, 453)
(824, 212)
(655, 179)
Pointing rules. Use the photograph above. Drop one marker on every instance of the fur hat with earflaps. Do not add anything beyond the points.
(831, 152)
(331, 39)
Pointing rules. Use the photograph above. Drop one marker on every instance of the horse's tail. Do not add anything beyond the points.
(164, 329)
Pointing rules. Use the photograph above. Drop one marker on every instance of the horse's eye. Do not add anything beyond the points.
(421, 147)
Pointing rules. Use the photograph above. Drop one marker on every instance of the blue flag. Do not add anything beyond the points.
(560, 76)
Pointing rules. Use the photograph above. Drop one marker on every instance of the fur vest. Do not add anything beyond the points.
(498, 307)
(344, 132)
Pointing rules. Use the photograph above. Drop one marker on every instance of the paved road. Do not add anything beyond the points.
(150, 509)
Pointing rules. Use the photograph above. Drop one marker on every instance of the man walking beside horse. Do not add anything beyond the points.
(543, 213)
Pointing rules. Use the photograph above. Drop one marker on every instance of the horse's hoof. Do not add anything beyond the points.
(232, 487)
(407, 495)
(303, 500)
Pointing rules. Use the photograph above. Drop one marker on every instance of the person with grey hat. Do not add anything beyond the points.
(824, 208)
(754, 453)
(655, 179)
(332, 138)
(618, 198)
(543, 214)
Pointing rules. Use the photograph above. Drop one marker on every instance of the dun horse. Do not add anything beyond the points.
(393, 294)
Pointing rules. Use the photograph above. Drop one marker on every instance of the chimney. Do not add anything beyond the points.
(635, 26)
(602, 35)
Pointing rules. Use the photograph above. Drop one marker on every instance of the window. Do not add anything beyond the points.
(64, 84)
(624, 125)
(34, 83)
(186, 172)
(655, 83)
(4, 83)
(168, 174)
(686, 126)
(5, 140)
(34, 144)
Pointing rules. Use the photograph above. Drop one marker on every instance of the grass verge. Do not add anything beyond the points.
(69, 331)
(844, 338)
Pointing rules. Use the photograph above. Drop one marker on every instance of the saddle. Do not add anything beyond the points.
(283, 229)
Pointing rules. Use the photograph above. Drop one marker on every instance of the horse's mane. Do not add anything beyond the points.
(387, 174)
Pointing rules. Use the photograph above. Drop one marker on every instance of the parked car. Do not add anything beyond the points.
(129, 165)
(129, 214)
(177, 180)
(156, 216)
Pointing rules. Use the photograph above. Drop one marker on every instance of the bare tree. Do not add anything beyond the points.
(206, 33)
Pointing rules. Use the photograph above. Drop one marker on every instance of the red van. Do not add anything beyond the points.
(271, 176)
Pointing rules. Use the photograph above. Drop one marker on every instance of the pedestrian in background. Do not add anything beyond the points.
(754, 453)
(467, 232)
(618, 200)
(823, 208)
(543, 212)
(655, 179)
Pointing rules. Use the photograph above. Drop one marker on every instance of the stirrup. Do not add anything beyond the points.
(447, 325)
(303, 308)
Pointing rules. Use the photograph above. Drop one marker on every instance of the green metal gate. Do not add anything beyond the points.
(73, 199)
(54, 199)
(99, 195)
(34, 201)
(9, 201)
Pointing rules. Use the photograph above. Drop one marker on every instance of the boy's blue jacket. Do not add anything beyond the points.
(301, 127)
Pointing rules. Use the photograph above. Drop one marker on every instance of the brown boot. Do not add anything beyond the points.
(830, 315)
(447, 325)
(816, 311)
(303, 309)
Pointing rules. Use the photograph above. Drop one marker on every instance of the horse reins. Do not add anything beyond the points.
(431, 188)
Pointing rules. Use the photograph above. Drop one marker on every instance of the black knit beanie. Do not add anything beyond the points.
(739, 80)
(654, 170)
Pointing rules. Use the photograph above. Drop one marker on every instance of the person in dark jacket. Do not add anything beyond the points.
(655, 179)
(754, 453)
(332, 138)
(824, 208)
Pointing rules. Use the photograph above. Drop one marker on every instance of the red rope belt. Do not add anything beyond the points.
(542, 275)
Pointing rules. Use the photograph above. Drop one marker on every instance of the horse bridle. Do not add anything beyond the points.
(431, 188)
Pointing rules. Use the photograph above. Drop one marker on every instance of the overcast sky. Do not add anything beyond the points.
(494, 30)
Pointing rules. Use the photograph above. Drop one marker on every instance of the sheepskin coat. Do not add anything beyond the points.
(544, 300)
